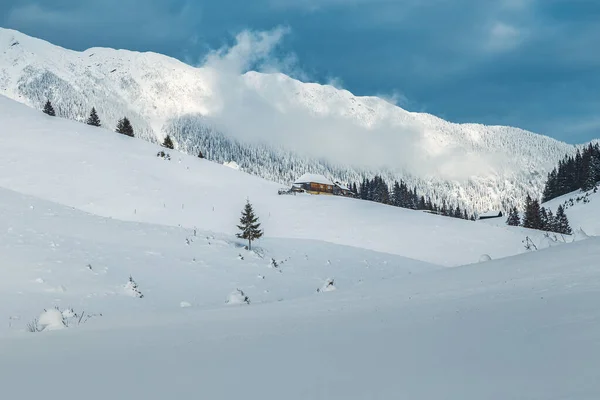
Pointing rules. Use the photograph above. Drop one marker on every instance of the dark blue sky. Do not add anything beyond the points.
(528, 63)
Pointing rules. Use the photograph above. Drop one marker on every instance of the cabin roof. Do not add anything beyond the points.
(341, 186)
(492, 213)
(314, 178)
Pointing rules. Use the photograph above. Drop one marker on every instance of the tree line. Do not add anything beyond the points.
(581, 171)
(123, 125)
(401, 195)
(541, 218)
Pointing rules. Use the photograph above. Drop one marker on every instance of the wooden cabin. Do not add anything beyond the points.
(340, 189)
(314, 184)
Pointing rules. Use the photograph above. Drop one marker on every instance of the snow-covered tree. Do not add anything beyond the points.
(93, 119)
(124, 127)
(48, 109)
(249, 225)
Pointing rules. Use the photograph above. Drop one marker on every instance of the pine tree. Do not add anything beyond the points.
(249, 225)
(562, 222)
(513, 217)
(124, 127)
(545, 223)
(532, 218)
(168, 143)
(93, 119)
(49, 110)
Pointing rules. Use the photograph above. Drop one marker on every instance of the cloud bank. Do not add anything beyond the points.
(280, 111)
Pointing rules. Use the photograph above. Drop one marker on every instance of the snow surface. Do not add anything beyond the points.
(582, 214)
(111, 175)
(83, 209)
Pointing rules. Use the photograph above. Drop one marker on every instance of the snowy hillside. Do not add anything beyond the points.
(112, 175)
(522, 327)
(277, 127)
(120, 277)
(582, 209)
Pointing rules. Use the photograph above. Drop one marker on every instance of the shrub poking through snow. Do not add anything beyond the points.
(238, 297)
(274, 263)
(327, 287)
(55, 319)
(132, 288)
(163, 155)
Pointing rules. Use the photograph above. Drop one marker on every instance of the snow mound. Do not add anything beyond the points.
(185, 304)
(485, 257)
(580, 234)
(51, 320)
(232, 165)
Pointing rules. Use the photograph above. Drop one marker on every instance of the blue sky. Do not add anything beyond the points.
(528, 63)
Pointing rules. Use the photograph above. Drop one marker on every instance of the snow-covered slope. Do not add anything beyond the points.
(522, 327)
(115, 176)
(479, 166)
(89, 208)
(582, 209)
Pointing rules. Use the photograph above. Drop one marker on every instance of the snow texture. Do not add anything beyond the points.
(83, 208)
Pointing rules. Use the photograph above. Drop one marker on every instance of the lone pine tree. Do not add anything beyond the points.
(48, 109)
(168, 143)
(249, 225)
(124, 127)
(93, 119)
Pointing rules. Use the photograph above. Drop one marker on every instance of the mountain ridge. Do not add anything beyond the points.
(269, 123)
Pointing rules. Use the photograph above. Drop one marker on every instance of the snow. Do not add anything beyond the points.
(485, 258)
(581, 209)
(114, 176)
(313, 178)
(232, 165)
(275, 117)
(51, 320)
(82, 210)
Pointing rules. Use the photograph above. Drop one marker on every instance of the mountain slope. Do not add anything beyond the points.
(492, 331)
(112, 175)
(277, 127)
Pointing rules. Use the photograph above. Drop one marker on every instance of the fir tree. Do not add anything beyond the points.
(545, 223)
(249, 225)
(49, 110)
(532, 218)
(168, 143)
(124, 127)
(93, 119)
(513, 217)
(562, 222)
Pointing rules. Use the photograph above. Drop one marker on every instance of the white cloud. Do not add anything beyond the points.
(503, 37)
(319, 121)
